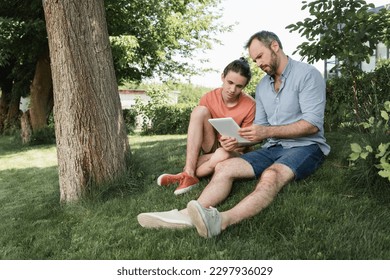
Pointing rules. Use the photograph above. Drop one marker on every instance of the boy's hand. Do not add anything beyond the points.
(228, 143)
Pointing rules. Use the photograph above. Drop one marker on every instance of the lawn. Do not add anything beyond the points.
(326, 216)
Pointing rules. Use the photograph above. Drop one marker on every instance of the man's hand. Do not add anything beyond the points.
(254, 133)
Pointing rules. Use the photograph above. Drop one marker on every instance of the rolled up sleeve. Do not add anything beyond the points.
(312, 99)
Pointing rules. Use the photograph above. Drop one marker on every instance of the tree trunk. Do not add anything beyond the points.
(25, 125)
(41, 94)
(13, 114)
(6, 90)
(92, 145)
(4, 105)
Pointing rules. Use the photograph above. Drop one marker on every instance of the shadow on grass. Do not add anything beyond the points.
(168, 156)
(12, 145)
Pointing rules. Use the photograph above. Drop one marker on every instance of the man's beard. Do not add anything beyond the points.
(273, 66)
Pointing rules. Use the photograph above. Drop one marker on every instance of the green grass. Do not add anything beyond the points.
(323, 217)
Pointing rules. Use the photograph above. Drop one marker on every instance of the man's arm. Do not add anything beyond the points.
(298, 129)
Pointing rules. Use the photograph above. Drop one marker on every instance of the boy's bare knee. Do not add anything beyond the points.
(200, 111)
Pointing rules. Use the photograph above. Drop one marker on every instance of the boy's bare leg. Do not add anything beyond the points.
(200, 136)
(207, 166)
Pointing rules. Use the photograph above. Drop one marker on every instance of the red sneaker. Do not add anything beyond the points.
(167, 179)
(186, 183)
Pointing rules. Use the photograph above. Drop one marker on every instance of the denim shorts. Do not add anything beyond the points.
(303, 160)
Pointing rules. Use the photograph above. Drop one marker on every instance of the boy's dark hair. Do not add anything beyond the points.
(240, 66)
(266, 37)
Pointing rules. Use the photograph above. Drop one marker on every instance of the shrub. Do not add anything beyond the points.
(373, 89)
(43, 136)
(170, 119)
(374, 153)
(130, 117)
(338, 102)
(159, 116)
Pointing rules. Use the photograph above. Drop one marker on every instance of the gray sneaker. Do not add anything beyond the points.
(167, 219)
(206, 220)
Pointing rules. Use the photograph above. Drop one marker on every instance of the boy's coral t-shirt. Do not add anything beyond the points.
(243, 112)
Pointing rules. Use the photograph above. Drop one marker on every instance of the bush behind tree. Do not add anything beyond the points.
(170, 119)
(160, 116)
(130, 117)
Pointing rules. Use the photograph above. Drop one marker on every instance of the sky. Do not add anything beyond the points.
(252, 16)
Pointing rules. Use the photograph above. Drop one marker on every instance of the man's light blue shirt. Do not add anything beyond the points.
(302, 96)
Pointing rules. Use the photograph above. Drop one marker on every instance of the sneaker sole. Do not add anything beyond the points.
(181, 191)
(148, 221)
(194, 212)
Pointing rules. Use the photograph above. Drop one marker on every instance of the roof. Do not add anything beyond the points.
(377, 9)
(132, 91)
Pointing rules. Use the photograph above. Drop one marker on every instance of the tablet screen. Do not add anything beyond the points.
(228, 127)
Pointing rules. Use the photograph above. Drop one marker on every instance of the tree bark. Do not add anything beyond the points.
(92, 145)
(41, 94)
(4, 104)
(5, 99)
(13, 114)
(25, 127)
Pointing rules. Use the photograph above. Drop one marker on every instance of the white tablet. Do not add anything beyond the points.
(228, 127)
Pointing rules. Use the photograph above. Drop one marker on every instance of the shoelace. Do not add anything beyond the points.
(213, 211)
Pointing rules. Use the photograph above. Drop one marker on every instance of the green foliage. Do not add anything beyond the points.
(163, 35)
(149, 38)
(339, 109)
(160, 116)
(344, 28)
(23, 33)
(122, 48)
(45, 135)
(158, 97)
(22, 40)
(130, 118)
(170, 119)
(257, 74)
(190, 94)
(372, 90)
(377, 154)
(347, 30)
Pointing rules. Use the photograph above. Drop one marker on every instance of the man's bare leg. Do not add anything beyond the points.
(271, 182)
(222, 181)
(209, 222)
